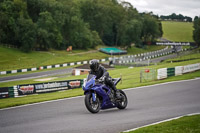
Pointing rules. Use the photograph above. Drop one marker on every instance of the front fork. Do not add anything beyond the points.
(94, 96)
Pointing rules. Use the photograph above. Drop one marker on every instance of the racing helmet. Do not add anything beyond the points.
(94, 65)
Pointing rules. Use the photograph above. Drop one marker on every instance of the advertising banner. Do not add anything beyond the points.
(174, 43)
(74, 84)
(191, 68)
(51, 86)
(25, 89)
(4, 92)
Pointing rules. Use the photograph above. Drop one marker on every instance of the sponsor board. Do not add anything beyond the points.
(191, 68)
(74, 84)
(174, 43)
(4, 92)
(25, 89)
(39, 88)
(51, 86)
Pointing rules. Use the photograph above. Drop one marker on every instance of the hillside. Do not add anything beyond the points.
(12, 59)
(177, 31)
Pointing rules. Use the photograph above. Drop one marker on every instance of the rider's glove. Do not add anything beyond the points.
(102, 78)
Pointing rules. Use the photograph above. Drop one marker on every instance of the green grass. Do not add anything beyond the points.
(178, 31)
(187, 124)
(12, 59)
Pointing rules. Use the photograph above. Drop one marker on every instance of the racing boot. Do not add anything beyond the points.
(117, 93)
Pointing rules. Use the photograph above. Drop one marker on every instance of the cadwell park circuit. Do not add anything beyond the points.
(147, 105)
(99, 66)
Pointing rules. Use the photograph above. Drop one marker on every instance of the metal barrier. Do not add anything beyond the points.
(147, 74)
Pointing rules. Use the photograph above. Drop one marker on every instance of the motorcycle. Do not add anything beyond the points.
(99, 96)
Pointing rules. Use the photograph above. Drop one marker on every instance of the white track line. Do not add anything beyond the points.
(83, 96)
(160, 122)
(41, 103)
(161, 84)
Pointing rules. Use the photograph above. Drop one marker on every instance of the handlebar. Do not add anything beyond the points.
(99, 81)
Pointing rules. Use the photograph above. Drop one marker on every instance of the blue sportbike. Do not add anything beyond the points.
(99, 96)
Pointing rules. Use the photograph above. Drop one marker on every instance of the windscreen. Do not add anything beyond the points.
(90, 76)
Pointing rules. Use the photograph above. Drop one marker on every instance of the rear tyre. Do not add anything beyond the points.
(92, 106)
(123, 102)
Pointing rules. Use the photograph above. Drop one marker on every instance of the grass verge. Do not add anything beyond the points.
(178, 31)
(12, 59)
(187, 124)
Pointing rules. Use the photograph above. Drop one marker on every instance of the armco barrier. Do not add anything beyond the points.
(190, 68)
(27, 89)
(162, 73)
(170, 72)
(179, 70)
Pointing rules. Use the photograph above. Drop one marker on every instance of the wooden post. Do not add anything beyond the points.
(121, 78)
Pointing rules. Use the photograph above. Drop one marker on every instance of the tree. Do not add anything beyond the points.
(81, 36)
(196, 32)
(7, 22)
(26, 34)
(195, 18)
(57, 24)
(48, 35)
(151, 28)
(133, 33)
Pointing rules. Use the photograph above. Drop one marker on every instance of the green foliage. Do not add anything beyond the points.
(82, 24)
(26, 34)
(151, 28)
(48, 34)
(178, 17)
(196, 32)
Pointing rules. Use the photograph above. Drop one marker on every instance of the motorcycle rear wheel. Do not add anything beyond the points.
(92, 106)
(122, 103)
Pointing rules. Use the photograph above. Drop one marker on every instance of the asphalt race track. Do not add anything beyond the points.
(146, 105)
(36, 75)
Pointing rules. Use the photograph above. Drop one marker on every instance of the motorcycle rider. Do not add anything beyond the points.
(101, 73)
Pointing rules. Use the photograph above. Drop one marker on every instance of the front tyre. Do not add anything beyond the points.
(123, 102)
(92, 106)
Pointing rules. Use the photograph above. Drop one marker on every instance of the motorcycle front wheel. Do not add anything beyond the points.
(92, 106)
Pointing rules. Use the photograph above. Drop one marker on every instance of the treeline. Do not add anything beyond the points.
(178, 17)
(44, 24)
(196, 31)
